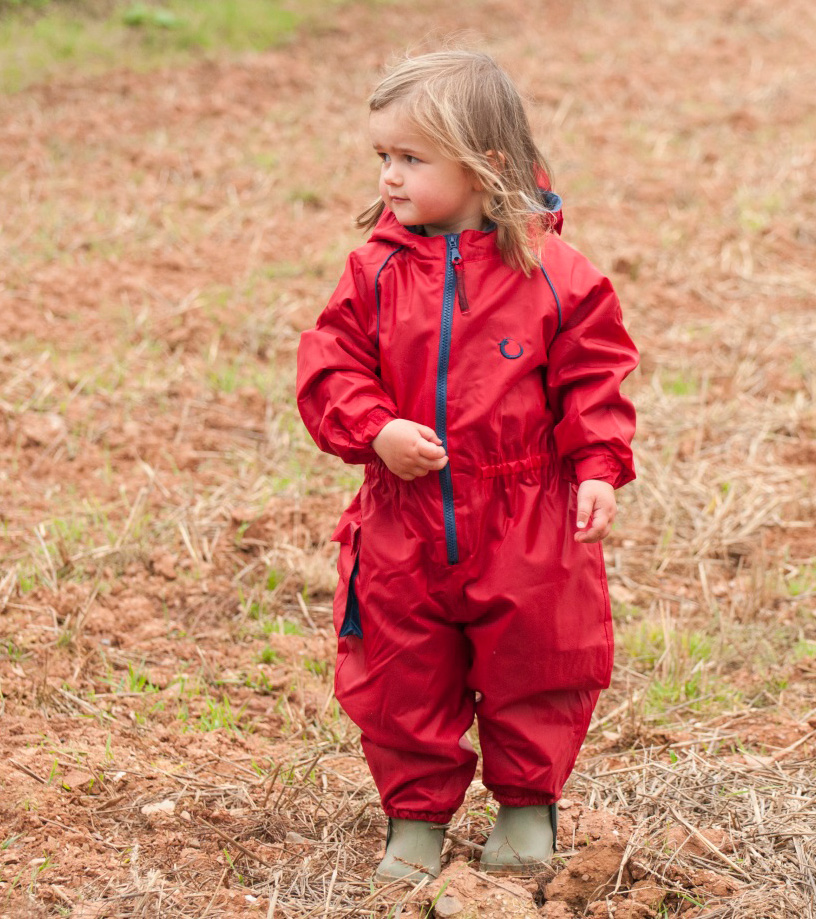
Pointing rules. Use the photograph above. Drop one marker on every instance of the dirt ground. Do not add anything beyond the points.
(169, 742)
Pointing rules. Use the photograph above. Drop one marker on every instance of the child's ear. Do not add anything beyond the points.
(496, 159)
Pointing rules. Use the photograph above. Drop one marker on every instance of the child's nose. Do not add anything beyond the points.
(391, 175)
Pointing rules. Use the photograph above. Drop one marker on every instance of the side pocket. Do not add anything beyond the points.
(351, 619)
(607, 617)
(346, 608)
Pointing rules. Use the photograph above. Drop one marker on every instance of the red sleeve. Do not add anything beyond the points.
(588, 360)
(340, 395)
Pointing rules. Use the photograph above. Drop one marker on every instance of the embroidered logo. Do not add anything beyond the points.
(510, 349)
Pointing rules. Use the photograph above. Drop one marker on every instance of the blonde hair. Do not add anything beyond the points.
(468, 107)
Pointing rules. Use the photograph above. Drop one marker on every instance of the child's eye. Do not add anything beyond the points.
(411, 160)
(384, 157)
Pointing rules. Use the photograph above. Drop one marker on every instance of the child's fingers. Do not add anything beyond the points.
(430, 465)
(599, 525)
(586, 507)
(430, 451)
(597, 529)
(429, 434)
(420, 467)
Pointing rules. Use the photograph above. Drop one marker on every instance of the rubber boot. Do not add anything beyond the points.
(413, 851)
(522, 840)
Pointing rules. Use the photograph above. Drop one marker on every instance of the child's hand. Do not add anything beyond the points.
(409, 449)
(596, 510)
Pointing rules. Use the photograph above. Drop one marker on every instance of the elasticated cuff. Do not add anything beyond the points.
(427, 816)
(376, 420)
(603, 468)
(514, 798)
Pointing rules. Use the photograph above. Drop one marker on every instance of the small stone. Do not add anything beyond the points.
(648, 893)
(447, 906)
(76, 780)
(162, 807)
(164, 564)
(42, 430)
(555, 909)
(296, 839)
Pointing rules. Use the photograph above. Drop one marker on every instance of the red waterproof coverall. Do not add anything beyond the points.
(469, 580)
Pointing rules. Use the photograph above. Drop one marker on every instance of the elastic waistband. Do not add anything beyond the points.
(516, 466)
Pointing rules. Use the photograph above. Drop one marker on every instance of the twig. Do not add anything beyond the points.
(27, 771)
(461, 841)
(305, 611)
(234, 842)
(274, 898)
(710, 845)
(490, 879)
(331, 884)
(215, 892)
(7, 586)
(781, 754)
(52, 573)
(136, 507)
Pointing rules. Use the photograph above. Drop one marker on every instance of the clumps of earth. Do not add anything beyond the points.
(595, 873)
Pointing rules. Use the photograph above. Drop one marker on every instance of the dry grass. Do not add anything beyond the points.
(165, 582)
(760, 807)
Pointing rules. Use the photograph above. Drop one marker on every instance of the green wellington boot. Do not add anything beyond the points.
(413, 851)
(522, 840)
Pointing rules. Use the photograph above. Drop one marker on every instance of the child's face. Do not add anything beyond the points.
(422, 187)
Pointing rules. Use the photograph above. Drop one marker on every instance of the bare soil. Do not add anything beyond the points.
(169, 742)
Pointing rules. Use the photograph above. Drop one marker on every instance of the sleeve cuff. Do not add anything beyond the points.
(601, 467)
(376, 420)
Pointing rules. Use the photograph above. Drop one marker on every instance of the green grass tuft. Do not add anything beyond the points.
(41, 40)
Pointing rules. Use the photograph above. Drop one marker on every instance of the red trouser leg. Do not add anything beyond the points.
(405, 685)
(540, 627)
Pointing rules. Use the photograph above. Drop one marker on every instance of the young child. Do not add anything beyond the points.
(473, 362)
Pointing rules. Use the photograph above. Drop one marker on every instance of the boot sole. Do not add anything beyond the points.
(414, 879)
(525, 870)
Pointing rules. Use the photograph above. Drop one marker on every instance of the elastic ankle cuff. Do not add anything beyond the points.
(427, 816)
(514, 798)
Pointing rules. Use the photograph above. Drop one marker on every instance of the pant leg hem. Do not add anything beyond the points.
(428, 816)
(513, 798)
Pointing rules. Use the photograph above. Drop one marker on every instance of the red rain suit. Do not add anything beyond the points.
(469, 580)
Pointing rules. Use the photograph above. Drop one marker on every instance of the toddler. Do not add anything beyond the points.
(472, 361)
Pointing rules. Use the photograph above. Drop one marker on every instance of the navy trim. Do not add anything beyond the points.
(377, 288)
(557, 301)
(351, 620)
(445, 333)
(550, 200)
(503, 348)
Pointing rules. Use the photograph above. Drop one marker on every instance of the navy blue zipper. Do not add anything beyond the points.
(459, 274)
(446, 481)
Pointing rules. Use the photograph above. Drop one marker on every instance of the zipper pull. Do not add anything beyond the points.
(459, 274)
